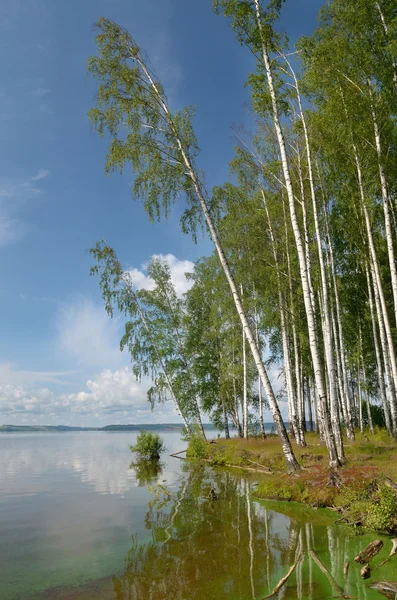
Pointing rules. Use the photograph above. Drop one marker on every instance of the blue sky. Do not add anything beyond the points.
(59, 357)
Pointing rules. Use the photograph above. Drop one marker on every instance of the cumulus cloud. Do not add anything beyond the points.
(178, 269)
(111, 396)
(14, 193)
(87, 335)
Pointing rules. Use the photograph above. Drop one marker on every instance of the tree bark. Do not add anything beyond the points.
(386, 207)
(381, 383)
(326, 321)
(313, 340)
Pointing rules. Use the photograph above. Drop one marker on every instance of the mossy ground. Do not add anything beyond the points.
(358, 491)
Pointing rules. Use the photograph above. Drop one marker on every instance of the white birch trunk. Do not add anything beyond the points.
(225, 419)
(327, 334)
(289, 456)
(367, 400)
(306, 238)
(309, 405)
(236, 407)
(313, 340)
(245, 403)
(381, 383)
(340, 346)
(302, 396)
(386, 208)
(385, 352)
(296, 391)
(386, 30)
(284, 334)
(390, 359)
(384, 322)
(262, 425)
(360, 399)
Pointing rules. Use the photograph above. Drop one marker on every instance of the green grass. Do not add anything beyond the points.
(361, 497)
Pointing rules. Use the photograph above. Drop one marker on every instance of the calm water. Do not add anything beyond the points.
(77, 524)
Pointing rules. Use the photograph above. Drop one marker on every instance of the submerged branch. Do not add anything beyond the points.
(285, 578)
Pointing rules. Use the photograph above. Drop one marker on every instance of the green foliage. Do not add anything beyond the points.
(197, 447)
(148, 445)
(377, 414)
(132, 108)
(382, 511)
(191, 347)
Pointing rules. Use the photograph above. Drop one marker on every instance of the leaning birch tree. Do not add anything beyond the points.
(161, 148)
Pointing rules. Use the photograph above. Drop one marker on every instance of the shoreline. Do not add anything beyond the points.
(361, 494)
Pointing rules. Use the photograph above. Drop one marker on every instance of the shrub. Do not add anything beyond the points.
(148, 445)
(197, 446)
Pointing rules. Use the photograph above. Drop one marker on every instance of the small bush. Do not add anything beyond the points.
(148, 445)
(197, 447)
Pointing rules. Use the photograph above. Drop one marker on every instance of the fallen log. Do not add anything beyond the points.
(369, 552)
(330, 578)
(285, 578)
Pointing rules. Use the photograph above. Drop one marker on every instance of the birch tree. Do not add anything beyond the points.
(161, 148)
(254, 27)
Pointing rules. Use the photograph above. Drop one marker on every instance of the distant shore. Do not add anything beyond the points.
(66, 428)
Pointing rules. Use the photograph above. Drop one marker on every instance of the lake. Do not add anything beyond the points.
(77, 523)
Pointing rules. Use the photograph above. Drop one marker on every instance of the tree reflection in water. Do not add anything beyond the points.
(234, 547)
(147, 471)
(201, 548)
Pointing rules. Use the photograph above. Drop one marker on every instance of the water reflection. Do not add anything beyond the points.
(236, 548)
(26, 460)
(74, 541)
(147, 471)
(202, 548)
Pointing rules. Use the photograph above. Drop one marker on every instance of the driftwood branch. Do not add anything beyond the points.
(175, 455)
(267, 469)
(285, 578)
(324, 569)
(392, 551)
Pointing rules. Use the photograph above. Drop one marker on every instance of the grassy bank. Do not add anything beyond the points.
(361, 492)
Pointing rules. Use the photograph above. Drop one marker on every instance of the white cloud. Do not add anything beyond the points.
(88, 335)
(14, 193)
(140, 280)
(111, 392)
(112, 396)
(178, 269)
